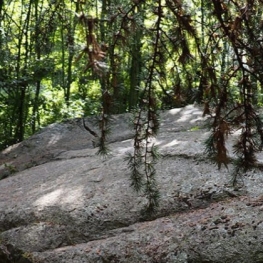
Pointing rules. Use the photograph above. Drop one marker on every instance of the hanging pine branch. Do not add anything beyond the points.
(144, 157)
(96, 61)
(230, 115)
(101, 143)
(146, 124)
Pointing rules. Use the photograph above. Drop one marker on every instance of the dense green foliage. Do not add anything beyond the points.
(62, 59)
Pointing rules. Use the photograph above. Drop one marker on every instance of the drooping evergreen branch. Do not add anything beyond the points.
(144, 157)
(240, 115)
(146, 123)
(101, 143)
(93, 50)
(250, 140)
(96, 61)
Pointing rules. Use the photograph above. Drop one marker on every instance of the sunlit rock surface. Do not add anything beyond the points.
(61, 202)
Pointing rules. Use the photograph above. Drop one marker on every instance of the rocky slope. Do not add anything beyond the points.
(61, 202)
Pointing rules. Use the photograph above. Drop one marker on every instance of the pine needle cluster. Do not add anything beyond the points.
(141, 162)
(104, 126)
(244, 119)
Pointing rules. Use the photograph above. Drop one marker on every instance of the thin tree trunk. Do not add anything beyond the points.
(71, 44)
(136, 67)
(35, 114)
(21, 83)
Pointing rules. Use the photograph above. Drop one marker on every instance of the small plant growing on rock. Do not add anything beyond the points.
(11, 168)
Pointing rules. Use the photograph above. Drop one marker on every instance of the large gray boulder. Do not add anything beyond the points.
(61, 202)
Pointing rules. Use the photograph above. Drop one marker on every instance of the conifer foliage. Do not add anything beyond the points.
(237, 26)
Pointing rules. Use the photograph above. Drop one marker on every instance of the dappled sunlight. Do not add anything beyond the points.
(188, 115)
(236, 133)
(174, 111)
(65, 190)
(173, 143)
(54, 139)
(63, 197)
(11, 148)
(124, 149)
(162, 143)
(50, 198)
(169, 144)
(197, 119)
(73, 195)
